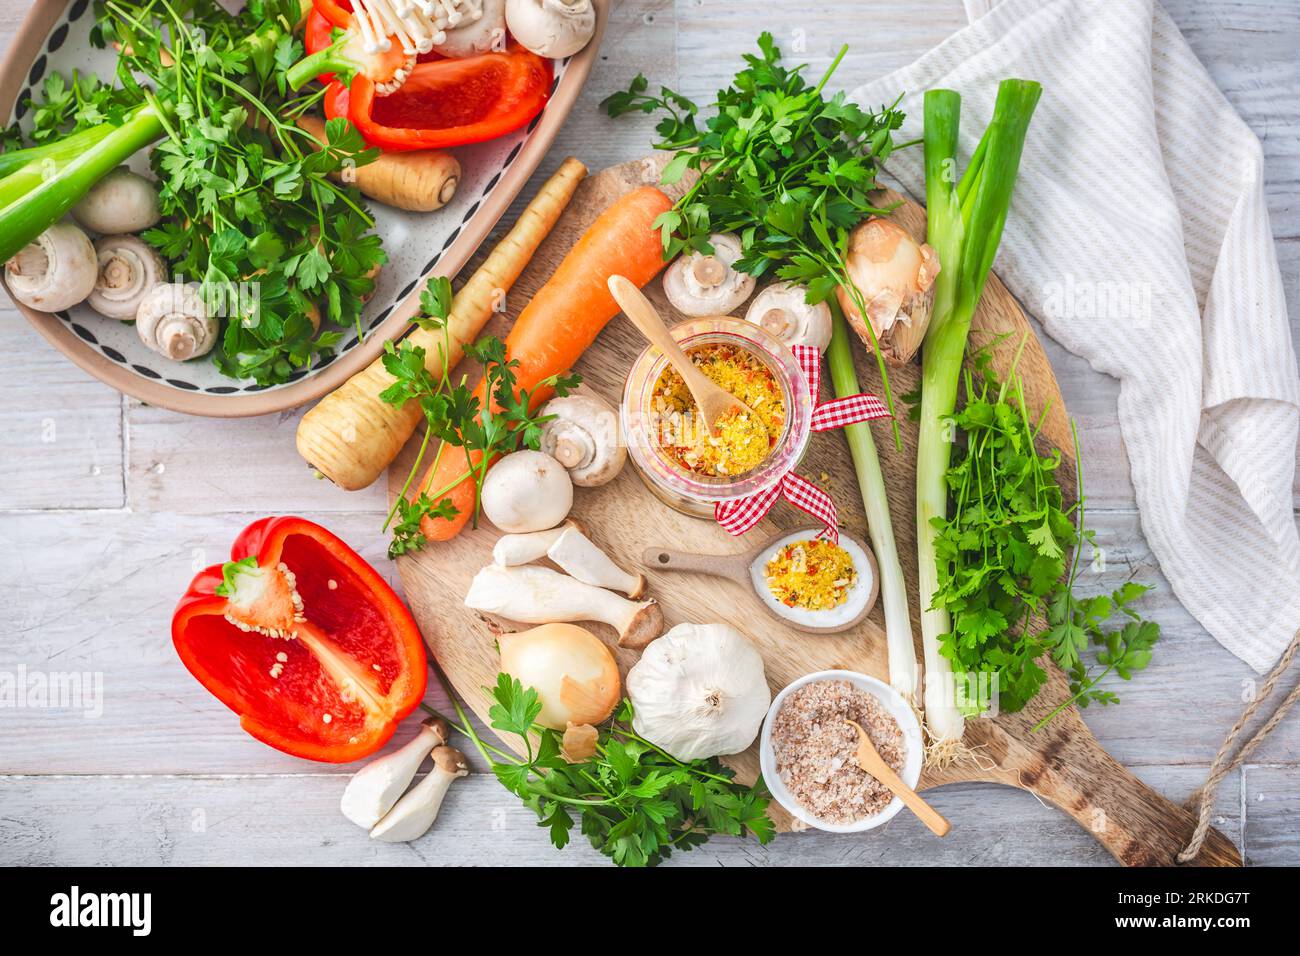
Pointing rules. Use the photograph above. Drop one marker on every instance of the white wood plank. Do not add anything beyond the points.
(295, 820)
(61, 443)
(1271, 808)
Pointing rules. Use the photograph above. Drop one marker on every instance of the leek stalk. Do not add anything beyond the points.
(965, 221)
(903, 673)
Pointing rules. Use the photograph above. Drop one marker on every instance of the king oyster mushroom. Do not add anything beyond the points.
(782, 310)
(121, 202)
(583, 437)
(698, 284)
(478, 28)
(173, 321)
(552, 28)
(895, 276)
(128, 270)
(54, 271)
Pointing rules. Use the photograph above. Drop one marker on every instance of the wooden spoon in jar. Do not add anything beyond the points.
(713, 401)
(869, 759)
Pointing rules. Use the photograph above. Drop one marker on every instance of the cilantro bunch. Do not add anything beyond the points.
(631, 800)
(454, 414)
(785, 167)
(1001, 560)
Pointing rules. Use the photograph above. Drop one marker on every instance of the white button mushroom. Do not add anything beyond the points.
(122, 201)
(128, 270)
(782, 310)
(553, 28)
(527, 491)
(698, 284)
(173, 321)
(584, 438)
(412, 815)
(54, 271)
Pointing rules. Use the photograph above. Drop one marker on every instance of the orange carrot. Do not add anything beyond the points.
(558, 325)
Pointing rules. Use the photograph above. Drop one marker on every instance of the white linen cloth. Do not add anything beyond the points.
(1140, 237)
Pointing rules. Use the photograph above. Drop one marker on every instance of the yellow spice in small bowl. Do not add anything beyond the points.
(815, 574)
(743, 441)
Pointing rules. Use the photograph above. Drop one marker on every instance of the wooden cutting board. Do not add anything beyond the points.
(1063, 763)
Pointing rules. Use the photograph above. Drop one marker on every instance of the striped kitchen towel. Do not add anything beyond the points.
(1140, 237)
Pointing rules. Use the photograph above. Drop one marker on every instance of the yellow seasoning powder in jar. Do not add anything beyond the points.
(816, 575)
(743, 441)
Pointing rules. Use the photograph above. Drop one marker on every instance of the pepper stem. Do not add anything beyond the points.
(330, 59)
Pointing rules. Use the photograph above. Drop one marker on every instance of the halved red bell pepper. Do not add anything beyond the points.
(337, 12)
(454, 101)
(304, 640)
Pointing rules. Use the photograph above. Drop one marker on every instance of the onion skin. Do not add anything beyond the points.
(895, 276)
(574, 673)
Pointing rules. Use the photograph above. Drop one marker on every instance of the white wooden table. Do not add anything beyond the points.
(107, 507)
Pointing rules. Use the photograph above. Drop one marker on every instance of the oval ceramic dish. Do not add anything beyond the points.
(55, 37)
(888, 698)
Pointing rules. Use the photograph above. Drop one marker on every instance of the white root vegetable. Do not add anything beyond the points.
(584, 438)
(534, 595)
(121, 202)
(579, 557)
(895, 275)
(479, 32)
(412, 816)
(552, 28)
(515, 549)
(573, 672)
(782, 310)
(527, 491)
(55, 271)
(698, 284)
(128, 270)
(376, 787)
(173, 321)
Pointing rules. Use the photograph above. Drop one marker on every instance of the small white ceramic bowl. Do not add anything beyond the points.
(897, 707)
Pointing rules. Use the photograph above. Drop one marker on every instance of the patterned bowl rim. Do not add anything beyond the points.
(80, 346)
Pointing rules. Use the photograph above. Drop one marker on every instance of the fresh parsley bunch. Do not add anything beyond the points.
(633, 802)
(454, 414)
(785, 167)
(1002, 553)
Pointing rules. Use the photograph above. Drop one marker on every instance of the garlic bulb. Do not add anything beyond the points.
(699, 691)
(573, 672)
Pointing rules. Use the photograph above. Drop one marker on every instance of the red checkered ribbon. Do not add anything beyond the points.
(741, 514)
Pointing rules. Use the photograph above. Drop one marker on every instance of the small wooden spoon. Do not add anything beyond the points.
(740, 568)
(869, 759)
(713, 401)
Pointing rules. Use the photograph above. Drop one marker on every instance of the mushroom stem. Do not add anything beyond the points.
(514, 549)
(577, 555)
(411, 817)
(376, 787)
(534, 595)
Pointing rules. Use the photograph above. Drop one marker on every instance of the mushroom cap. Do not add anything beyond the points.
(128, 269)
(782, 309)
(646, 625)
(527, 491)
(553, 28)
(122, 201)
(173, 321)
(54, 271)
(450, 760)
(584, 437)
(440, 727)
(698, 284)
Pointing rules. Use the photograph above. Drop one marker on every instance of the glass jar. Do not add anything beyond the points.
(687, 491)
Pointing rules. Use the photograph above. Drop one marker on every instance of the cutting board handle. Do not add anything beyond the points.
(1137, 825)
(734, 567)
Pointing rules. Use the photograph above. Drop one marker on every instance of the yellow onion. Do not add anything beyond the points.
(895, 276)
(573, 672)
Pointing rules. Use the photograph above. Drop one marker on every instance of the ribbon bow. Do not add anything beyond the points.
(741, 514)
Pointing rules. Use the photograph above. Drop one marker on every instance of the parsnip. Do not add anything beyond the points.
(352, 434)
(421, 180)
